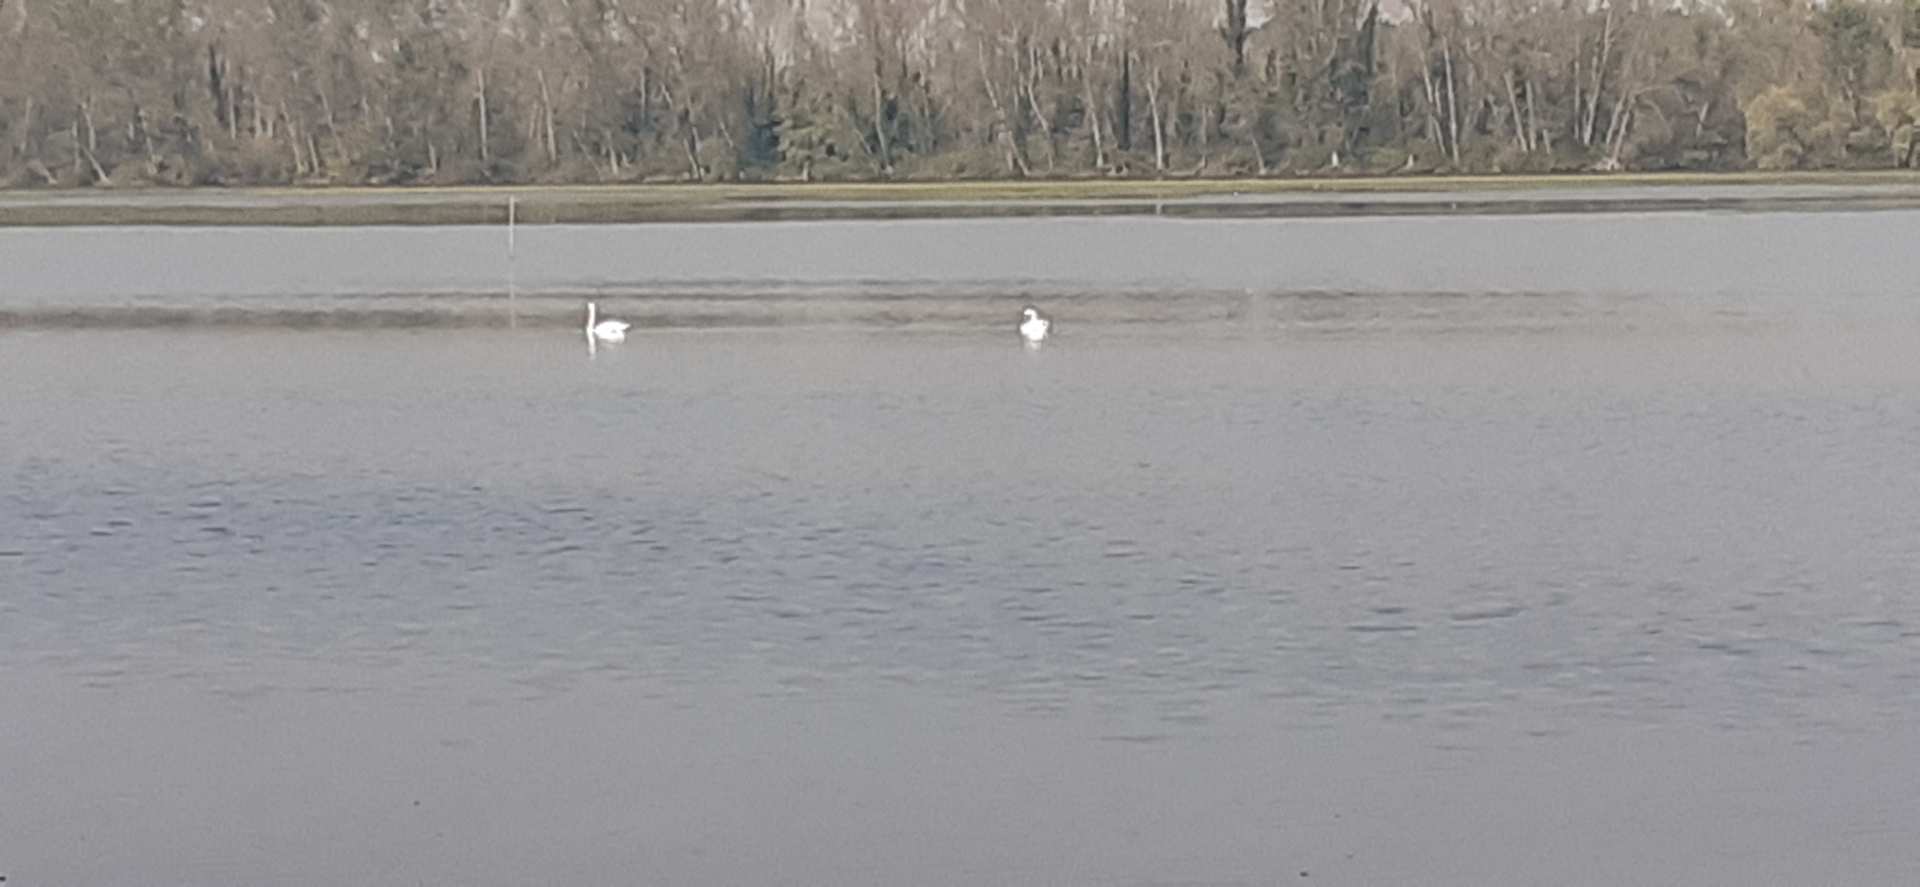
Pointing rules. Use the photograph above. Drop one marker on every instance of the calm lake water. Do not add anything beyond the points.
(1480, 550)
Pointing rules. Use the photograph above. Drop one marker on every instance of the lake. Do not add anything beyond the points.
(1564, 548)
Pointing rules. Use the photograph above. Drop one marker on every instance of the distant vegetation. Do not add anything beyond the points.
(186, 92)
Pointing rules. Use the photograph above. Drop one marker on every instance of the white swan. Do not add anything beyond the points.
(605, 330)
(1035, 326)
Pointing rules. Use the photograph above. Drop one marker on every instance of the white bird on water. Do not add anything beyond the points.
(605, 330)
(1034, 326)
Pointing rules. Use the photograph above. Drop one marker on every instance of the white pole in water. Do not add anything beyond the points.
(513, 307)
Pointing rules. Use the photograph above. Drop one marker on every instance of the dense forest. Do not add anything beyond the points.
(180, 92)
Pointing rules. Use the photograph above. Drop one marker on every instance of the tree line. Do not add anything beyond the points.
(193, 92)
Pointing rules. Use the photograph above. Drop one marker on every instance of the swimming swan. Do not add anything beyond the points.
(606, 330)
(1034, 327)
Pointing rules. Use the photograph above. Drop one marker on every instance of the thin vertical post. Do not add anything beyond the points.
(513, 306)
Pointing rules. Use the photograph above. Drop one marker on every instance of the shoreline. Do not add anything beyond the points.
(1195, 198)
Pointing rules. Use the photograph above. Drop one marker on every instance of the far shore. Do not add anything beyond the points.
(1208, 198)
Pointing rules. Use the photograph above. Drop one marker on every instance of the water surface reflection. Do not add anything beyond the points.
(1218, 586)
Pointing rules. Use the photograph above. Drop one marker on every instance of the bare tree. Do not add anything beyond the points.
(395, 91)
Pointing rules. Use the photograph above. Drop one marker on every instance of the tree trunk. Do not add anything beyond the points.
(646, 97)
(144, 138)
(1453, 106)
(480, 102)
(546, 107)
(1015, 163)
(1235, 32)
(880, 118)
(1573, 126)
(1520, 134)
(86, 148)
(1093, 115)
(333, 131)
(217, 85)
(93, 136)
(300, 166)
(100, 176)
(26, 130)
(1159, 131)
(696, 171)
(1039, 119)
(1604, 52)
(1617, 126)
(1533, 120)
(1435, 132)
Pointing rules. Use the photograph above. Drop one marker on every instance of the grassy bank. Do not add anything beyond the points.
(693, 203)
